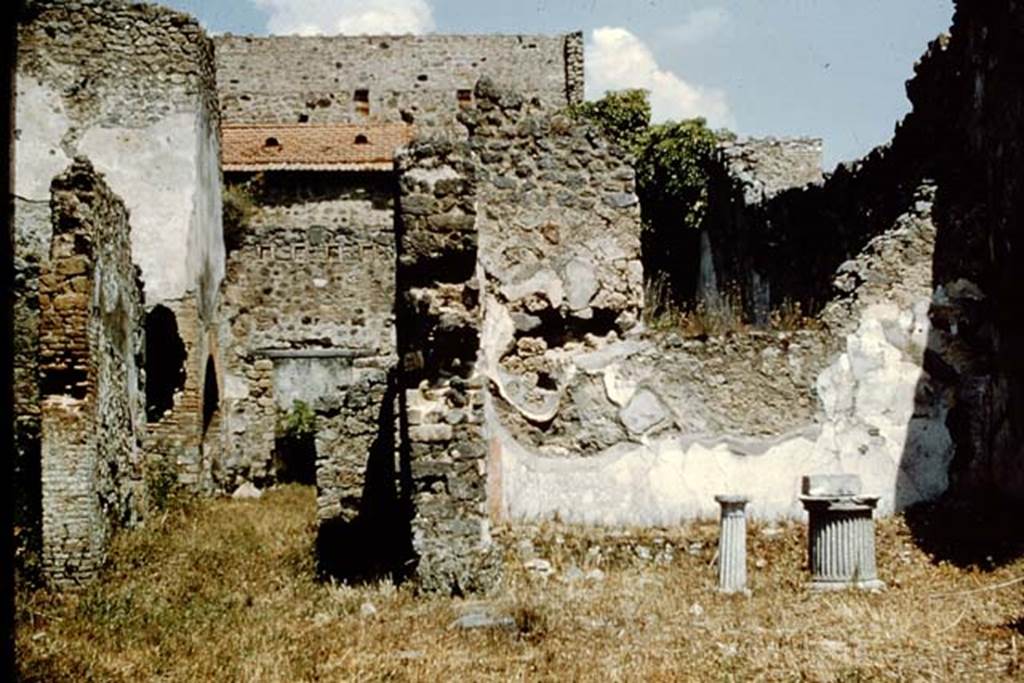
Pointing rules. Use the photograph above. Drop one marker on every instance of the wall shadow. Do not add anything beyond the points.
(377, 544)
(977, 522)
(749, 249)
(970, 103)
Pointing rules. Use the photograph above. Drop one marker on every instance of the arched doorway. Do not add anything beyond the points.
(165, 361)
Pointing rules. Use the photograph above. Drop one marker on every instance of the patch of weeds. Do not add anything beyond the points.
(116, 613)
(789, 317)
(298, 422)
(703, 319)
(724, 314)
(345, 599)
(239, 206)
(713, 319)
(163, 488)
(531, 622)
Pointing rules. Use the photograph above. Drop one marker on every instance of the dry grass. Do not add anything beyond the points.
(726, 314)
(225, 591)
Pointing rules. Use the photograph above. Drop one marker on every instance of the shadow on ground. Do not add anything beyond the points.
(377, 544)
(969, 533)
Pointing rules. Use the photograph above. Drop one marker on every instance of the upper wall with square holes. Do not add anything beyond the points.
(422, 80)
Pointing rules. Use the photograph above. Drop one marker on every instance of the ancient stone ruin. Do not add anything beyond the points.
(398, 268)
(92, 419)
(131, 89)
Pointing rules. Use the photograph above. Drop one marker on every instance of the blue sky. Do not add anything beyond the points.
(833, 69)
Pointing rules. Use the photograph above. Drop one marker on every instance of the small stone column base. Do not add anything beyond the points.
(732, 544)
(841, 542)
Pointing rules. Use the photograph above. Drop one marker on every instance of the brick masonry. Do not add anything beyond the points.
(92, 413)
(178, 436)
(131, 87)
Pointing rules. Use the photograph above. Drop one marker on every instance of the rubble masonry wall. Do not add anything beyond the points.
(91, 384)
(132, 87)
(308, 306)
(416, 79)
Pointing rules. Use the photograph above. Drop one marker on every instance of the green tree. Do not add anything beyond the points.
(672, 172)
(673, 162)
(672, 158)
(622, 115)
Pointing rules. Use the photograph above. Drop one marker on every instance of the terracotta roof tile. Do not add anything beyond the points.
(305, 146)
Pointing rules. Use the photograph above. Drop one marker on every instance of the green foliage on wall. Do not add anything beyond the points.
(238, 210)
(673, 162)
(299, 422)
(672, 158)
(622, 115)
(672, 171)
(239, 203)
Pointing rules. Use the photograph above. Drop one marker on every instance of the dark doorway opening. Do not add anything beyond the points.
(295, 458)
(295, 445)
(165, 361)
(211, 395)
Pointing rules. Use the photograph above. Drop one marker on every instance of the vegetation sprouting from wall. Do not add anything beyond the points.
(672, 162)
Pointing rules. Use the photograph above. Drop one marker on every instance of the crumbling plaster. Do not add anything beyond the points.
(168, 173)
(867, 398)
(636, 427)
(528, 384)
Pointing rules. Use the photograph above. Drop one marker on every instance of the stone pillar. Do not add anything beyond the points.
(841, 533)
(439, 320)
(574, 67)
(732, 544)
(92, 399)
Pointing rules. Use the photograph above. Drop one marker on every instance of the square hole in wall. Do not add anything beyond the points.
(361, 99)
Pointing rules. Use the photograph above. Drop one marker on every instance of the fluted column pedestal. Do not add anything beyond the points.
(732, 544)
(841, 541)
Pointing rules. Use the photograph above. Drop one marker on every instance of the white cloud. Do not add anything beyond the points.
(699, 25)
(353, 17)
(617, 59)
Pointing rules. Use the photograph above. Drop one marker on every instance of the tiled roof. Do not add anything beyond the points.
(312, 147)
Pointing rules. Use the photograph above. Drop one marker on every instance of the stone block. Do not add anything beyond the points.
(621, 200)
(831, 485)
(418, 205)
(431, 433)
(581, 283)
(643, 412)
(430, 469)
(483, 617)
(74, 265)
